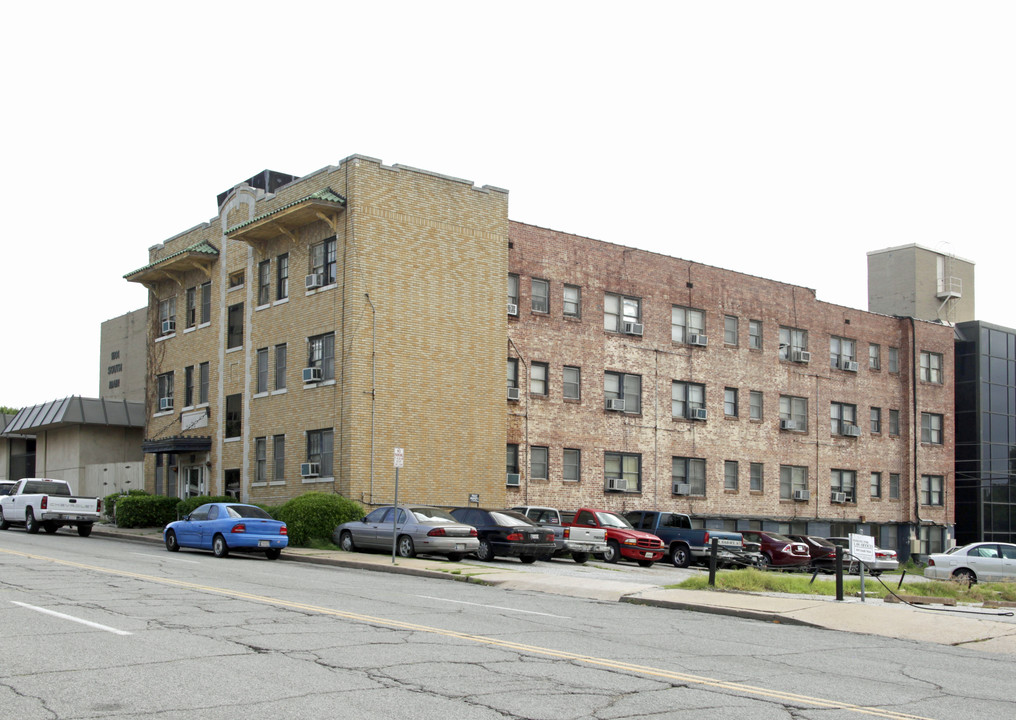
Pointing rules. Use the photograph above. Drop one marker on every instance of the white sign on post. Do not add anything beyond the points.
(862, 547)
(399, 457)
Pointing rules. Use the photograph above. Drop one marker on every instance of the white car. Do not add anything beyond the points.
(985, 561)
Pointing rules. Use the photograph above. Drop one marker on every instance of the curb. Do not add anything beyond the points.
(714, 610)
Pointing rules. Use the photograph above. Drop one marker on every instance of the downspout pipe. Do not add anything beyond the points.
(373, 387)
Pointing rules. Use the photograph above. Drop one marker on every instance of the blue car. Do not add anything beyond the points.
(221, 527)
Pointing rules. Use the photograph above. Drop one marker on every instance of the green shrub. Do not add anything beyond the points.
(109, 502)
(316, 515)
(145, 510)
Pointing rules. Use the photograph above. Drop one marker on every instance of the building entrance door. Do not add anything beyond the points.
(193, 481)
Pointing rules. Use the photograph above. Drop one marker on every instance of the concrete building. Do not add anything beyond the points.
(123, 357)
(17, 452)
(918, 282)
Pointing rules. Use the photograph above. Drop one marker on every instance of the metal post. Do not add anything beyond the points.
(860, 570)
(839, 573)
(395, 516)
(712, 561)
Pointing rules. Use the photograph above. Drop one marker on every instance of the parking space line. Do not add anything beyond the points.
(62, 616)
(495, 607)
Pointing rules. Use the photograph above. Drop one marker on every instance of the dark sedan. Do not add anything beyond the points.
(506, 533)
(823, 552)
(779, 551)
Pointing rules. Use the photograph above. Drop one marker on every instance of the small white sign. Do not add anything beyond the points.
(400, 457)
(862, 547)
(474, 498)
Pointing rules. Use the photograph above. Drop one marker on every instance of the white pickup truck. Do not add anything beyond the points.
(581, 542)
(40, 502)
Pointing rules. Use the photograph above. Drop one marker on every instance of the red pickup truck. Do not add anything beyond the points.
(623, 541)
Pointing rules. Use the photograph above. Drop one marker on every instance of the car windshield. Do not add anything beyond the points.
(509, 518)
(432, 515)
(609, 519)
(247, 511)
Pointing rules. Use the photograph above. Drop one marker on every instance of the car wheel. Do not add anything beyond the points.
(646, 563)
(273, 553)
(765, 562)
(346, 541)
(965, 577)
(50, 527)
(545, 558)
(31, 524)
(527, 559)
(485, 551)
(3, 523)
(85, 530)
(580, 557)
(171, 543)
(406, 548)
(219, 546)
(680, 557)
(613, 553)
(454, 557)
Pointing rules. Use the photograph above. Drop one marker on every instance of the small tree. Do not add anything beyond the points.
(4, 410)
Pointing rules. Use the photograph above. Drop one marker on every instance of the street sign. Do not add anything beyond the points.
(400, 457)
(862, 547)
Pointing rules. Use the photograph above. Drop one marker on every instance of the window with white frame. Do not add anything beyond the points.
(572, 385)
(538, 374)
(685, 322)
(931, 428)
(540, 296)
(931, 367)
(261, 460)
(794, 412)
(841, 352)
(167, 316)
(165, 389)
(538, 462)
(572, 301)
(686, 398)
(262, 371)
(620, 309)
(844, 481)
(571, 465)
(622, 471)
(730, 472)
(930, 539)
(322, 261)
(874, 357)
(279, 457)
(513, 290)
(621, 386)
(729, 330)
(876, 484)
(206, 303)
(264, 282)
(843, 417)
(755, 334)
(280, 366)
(513, 373)
(876, 420)
(793, 342)
(730, 402)
(688, 471)
(756, 480)
(755, 404)
(203, 370)
(932, 487)
(320, 446)
(793, 479)
(321, 354)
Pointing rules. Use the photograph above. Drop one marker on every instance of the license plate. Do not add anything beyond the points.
(649, 554)
(460, 546)
(264, 543)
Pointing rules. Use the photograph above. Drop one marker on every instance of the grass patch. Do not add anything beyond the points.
(317, 543)
(751, 580)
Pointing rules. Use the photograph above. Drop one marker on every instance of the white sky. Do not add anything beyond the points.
(781, 139)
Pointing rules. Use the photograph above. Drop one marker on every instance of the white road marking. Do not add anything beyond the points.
(495, 607)
(167, 556)
(97, 626)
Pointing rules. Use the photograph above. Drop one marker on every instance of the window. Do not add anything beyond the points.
(167, 316)
(930, 540)
(894, 422)
(876, 484)
(279, 457)
(729, 330)
(730, 402)
(894, 360)
(538, 461)
(541, 296)
(792, 343)
(843, 418)
(572, 301)
(538, 373)
(794, 413)
(618, 310)
(931, 367)
(165, 389)
(842, 351)
(513, 290)
(876, 420)
(262, 377)
(793, 478)
(264, 282)
(730, 475)
(756, 477)
(686, 398)
(234, 416)
(931, 489)
(192, 316)
(844, 481)
(203, 383)
(322, 261)
(894, 486)
(282, 277)
(931, 428)
(235, 330)
(321, 354)
(280, 366)
(572, 382)
(319, 450)
(755, 334)
(513, 373)
(685, 322)
(874, 357)
(236, 279)
(261, 460)
(206, 303)
(691, 472)
(512, 459)
(755, 404)
(188, 386)
(622, 472)
(571, 465)
(618, 386)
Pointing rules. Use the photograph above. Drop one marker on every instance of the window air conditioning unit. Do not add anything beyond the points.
(839, 497)
(166, 403)
(682, 488)
(788, 424)
(615, 404)
(314, 280)
(850, 431)
(617, 484)
(800, 356)
(694, 339)
(312, 375)
(801, 495)
(513, 309)
(513, 393)
(633, 328)
(698, 414)
(168, 326)
(848, 365)
(512, 479)
(310, 469)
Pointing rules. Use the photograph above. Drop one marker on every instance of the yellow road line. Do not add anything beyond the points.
(734, 687)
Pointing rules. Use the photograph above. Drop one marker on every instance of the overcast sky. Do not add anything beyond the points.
(785, 140)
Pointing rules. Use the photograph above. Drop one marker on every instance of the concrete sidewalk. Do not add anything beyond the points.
(985, 630)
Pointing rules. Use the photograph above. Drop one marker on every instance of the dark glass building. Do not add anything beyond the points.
(985, 433)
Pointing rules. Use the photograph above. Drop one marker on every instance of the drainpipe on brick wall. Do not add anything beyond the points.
(914, 428)
(525, 415)
(373, 391)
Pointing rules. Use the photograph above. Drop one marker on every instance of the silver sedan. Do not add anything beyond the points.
(421, 529)
(985, 561)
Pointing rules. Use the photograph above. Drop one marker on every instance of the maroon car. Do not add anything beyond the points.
(779, 551)
(823, 552)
